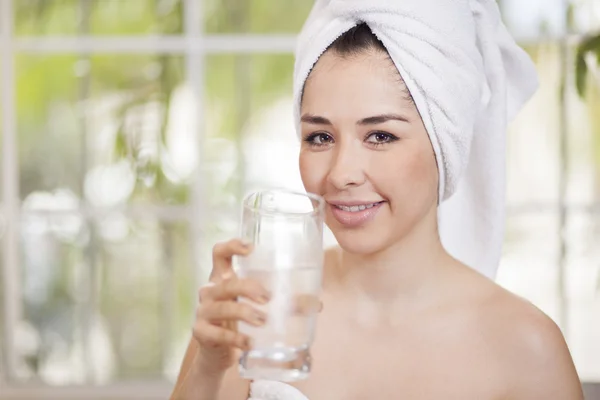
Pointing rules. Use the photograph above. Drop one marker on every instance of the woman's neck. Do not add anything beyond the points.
(399, 274)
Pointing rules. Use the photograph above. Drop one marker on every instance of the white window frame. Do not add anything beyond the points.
(194, 45)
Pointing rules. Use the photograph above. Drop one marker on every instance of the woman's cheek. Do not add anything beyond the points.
(404, 175)
(418, 176)
(311, 171)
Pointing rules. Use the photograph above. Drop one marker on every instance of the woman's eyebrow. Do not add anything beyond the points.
(315, 120)
(373, 120)
(380, 119)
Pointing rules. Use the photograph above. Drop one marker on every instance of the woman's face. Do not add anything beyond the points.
(366, 151)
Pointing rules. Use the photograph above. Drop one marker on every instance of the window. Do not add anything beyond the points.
(130, 131)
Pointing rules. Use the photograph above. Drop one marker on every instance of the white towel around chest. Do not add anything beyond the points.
(270, 390)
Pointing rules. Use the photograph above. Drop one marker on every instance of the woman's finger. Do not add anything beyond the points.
(231, 289)
(307, 304)
(222, 255)
(221, 311)
(215, 336)
(204, 292)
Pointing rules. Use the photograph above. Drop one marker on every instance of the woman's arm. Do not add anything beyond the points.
(195, 382)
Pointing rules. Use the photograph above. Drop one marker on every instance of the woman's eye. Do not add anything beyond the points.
(319, 139)
(381, 138)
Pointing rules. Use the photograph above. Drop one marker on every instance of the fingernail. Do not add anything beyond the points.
(245, 242)
(227, 275)
(265, 297)
(259, 317)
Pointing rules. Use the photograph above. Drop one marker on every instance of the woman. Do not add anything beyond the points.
(401, 317)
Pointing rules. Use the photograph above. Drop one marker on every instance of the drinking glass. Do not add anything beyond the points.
(285, 229)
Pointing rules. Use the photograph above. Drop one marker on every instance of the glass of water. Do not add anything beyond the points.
(286, 231)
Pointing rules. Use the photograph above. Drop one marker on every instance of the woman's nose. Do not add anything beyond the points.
(347, 166)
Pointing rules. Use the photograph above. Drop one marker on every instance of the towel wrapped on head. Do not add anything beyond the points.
(468, 79)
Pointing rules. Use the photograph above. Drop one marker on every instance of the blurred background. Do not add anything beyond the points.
(130, 129)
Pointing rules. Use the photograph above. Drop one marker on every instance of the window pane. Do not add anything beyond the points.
(48, 341)
(583, 236)
(584, 142)
(2, 216)
(583, 289)
(104, 302)
(255, 16)
(533, 142)
(249, 126)
(586, 16)
(2, 293)
(540, 19)
(534, 19)
(529, 268)
(251, 141)
(2, 61)
(109, 122)
(97, 17)
(529, 263)
(147, 296)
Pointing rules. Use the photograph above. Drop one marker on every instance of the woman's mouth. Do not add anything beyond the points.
(358, 208)
(355, 215)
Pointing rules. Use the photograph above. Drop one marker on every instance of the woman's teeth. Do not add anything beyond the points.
(362, 207)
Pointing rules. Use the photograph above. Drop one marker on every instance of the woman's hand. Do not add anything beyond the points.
(219, 311)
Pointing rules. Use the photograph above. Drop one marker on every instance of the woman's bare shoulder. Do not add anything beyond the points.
(529, 344)
(513, 317)
(514, 320)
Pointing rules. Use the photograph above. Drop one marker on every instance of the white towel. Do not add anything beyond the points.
(271, 390)
(468, 79)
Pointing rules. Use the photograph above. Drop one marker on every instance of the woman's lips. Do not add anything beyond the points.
(356, 215)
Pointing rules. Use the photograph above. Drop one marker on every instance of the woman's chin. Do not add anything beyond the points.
(360, 243)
